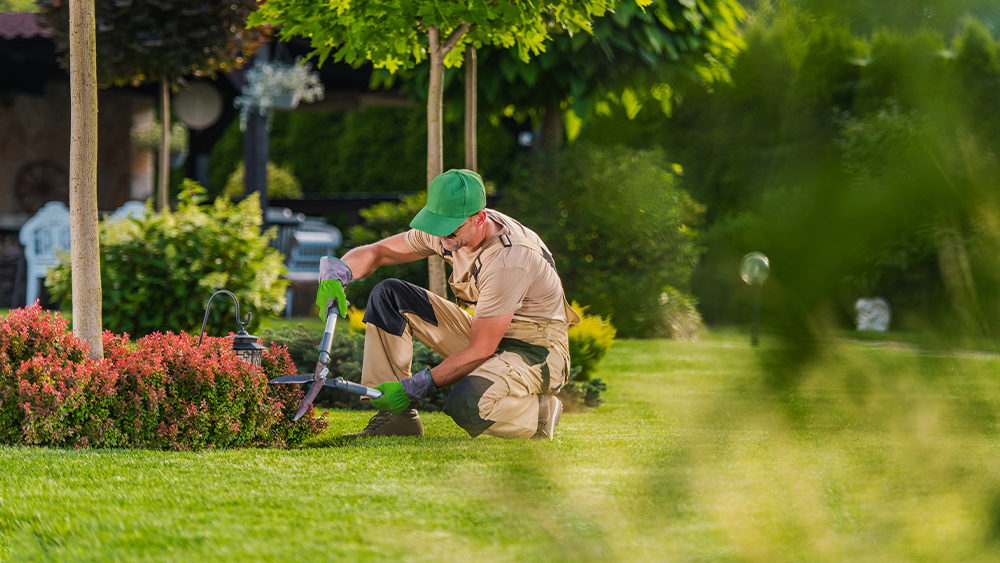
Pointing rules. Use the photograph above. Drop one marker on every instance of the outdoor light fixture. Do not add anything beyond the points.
(245, 345)
(754, 269)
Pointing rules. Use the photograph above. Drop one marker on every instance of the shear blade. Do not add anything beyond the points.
(308, 399)
(299, 378)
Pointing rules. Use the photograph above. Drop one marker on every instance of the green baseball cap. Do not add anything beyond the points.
(451, 198)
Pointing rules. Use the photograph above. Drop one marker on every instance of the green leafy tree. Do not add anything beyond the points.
(399, 35)
(162, 40)
(636, 56)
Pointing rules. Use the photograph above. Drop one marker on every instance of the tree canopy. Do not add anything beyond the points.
(151, 39)
(637, 55)
(393, 35)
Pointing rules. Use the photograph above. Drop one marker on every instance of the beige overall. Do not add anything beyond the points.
(499, 397)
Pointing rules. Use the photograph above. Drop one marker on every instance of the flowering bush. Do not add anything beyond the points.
(161, 391)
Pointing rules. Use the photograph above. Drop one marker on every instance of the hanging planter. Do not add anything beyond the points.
(274, 85)
(285, 99)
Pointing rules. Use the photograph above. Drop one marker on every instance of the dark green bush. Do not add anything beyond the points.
(618, 224)
(158, 272)
(377, 149)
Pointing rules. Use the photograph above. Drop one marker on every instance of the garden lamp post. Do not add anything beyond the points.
(245, 345)
(754, 269)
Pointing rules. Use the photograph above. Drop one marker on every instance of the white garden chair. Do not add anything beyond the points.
(42, 236)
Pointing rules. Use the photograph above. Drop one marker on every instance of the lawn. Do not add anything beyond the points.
(879, 453)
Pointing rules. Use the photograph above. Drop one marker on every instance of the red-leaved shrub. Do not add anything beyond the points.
(284, 400)
(162, 392)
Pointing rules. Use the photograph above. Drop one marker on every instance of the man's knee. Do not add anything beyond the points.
(462, 404)
(390, 299)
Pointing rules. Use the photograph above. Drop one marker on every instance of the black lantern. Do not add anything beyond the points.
(245, 345)
(247, 348)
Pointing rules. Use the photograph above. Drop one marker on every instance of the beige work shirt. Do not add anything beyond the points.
(517, 279)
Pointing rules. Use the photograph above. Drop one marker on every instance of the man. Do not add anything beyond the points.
(506, 361)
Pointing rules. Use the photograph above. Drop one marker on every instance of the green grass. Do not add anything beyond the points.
(881, 453)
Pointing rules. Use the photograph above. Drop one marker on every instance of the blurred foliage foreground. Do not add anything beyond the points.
(861, 163)
(884, 454)
(867, 167)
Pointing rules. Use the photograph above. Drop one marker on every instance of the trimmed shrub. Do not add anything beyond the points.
(25, 334)
(67, 404)
(589, 342)
(158, 271)
(161, 392)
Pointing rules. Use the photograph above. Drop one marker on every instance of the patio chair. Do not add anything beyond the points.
(42, 236)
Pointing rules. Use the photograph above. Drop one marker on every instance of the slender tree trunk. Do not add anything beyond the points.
(162, 202)
(435, 144)
(84, 243)
(471, 103)
(552, 127)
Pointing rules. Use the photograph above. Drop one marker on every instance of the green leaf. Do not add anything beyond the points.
(631, 103)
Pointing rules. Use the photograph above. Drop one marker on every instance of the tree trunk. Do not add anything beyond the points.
(162, 201)
(435, 144)
(471, 155)
(84, 242)
(552, 127)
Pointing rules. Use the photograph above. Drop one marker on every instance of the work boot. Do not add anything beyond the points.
(549, 410)
(384, 423)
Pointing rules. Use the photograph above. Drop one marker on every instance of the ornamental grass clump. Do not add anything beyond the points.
(160, 392)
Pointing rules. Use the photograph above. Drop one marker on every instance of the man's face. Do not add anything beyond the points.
(461, 237)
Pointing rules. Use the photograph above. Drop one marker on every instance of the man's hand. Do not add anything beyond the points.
(396, 395)
(393, 397)
(334, 276)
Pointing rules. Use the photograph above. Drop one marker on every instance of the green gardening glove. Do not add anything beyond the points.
(334, 276)
(393, 397)
(331, 289)
(396, 395)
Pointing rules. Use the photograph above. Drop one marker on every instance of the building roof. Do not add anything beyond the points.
(13, 26)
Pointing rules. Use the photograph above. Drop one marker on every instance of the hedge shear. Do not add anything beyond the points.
(318, 377)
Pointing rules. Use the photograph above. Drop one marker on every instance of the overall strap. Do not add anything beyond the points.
(507, 241)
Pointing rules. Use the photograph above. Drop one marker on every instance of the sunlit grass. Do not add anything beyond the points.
(880, 453)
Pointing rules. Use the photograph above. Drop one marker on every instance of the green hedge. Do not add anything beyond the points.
(619, 225)
(377, 149)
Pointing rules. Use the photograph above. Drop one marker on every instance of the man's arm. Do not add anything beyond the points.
(364, 260)
(486, 335)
